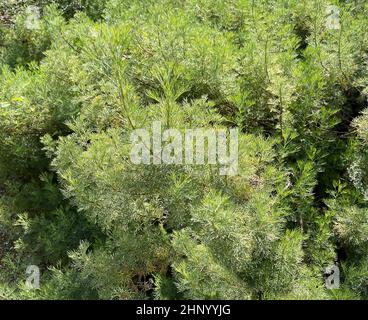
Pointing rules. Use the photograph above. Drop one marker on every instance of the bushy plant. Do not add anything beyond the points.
(74, 90)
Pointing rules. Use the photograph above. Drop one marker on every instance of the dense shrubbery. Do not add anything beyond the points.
(71, 202)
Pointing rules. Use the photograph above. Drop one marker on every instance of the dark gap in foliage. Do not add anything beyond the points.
(334, 167)
(355, 103)
(303, 33)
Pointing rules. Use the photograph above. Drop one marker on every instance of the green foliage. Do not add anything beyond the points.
(74, 89)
